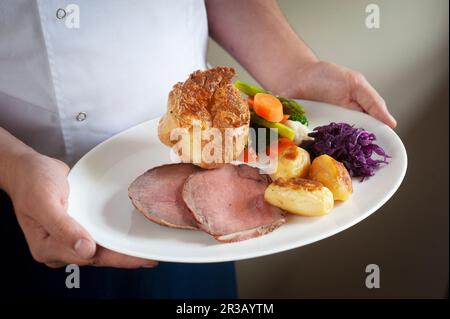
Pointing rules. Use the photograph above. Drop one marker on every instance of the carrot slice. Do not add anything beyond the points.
(268, 107)
(279, 146)
(272, 150)
(284, 143)
(285, 118)
(250, 155)
(250, 102)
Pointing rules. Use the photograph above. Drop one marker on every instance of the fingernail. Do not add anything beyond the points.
(152, 265)
(393, 121)
(84, 248)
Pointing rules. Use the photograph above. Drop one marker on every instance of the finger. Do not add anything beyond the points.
(55, 265)
(45, 249)
(67, 232)
(353, 106)
(108, 258)
(370, 101)
(55, 254)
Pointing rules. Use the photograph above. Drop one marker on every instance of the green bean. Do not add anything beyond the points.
(283, 130)
(248, 89)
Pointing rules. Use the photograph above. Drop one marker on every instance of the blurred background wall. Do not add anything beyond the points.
(406, 60)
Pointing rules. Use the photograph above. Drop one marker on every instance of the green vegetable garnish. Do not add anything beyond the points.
(299, 118)
(248, 89)
(291, 106)
(283, 130)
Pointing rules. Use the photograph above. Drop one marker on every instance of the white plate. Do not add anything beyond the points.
(99, 201)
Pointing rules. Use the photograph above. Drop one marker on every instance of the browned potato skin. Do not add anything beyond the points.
(332, 174)
(293, 162)
(300, 196)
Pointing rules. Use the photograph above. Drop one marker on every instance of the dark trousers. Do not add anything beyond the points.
(21, 276)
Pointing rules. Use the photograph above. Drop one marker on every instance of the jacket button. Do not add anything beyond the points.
(81, 116)
(61, 13)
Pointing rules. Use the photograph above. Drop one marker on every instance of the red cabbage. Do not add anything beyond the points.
(351, 146)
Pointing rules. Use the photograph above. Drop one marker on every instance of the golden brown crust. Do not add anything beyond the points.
(298, 183)
(210, 98)
(344, 176)
(291, 152)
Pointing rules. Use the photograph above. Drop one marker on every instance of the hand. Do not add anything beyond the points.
(39, 194)
(332, 83)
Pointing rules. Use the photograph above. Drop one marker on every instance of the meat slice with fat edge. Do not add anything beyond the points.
(158, 195)
(229, 204)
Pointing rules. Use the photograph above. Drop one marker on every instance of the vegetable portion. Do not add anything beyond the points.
(353, 147)
(248, 89)
(250, 101)
(299, 118)
(285, 118)
(249, 155)
(290, 106)
(283, 130)
(284, 143)
(268, 107)
(277, 147)
(301, 131)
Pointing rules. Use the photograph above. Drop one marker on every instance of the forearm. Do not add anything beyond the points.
(11, 150)
(257, 34)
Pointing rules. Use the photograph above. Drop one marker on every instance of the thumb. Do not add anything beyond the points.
(67, 232)
(370, 101)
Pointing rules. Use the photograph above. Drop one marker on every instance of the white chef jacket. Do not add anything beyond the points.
(64, 88)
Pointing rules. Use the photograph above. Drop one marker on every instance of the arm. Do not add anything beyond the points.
(38, 188)
(257, 34)
(10, 149)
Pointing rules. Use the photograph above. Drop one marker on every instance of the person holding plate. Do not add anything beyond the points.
(73, 74)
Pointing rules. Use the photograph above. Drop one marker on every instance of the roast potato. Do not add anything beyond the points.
(293, 161)
(300, 196)
(333, 175)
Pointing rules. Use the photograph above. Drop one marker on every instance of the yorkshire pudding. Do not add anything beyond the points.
(206, 100)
